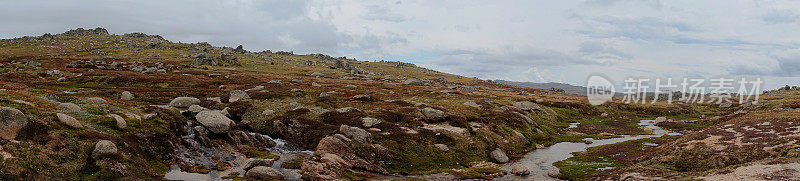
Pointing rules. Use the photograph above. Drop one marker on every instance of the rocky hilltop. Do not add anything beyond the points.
(89, 105)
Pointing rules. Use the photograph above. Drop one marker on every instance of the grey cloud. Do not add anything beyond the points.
(598, 50)
(382, 13)
(780, 17)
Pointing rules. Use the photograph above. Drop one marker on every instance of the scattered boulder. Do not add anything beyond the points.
(369, 121)
(588, 141)
(317, 74)
(324, 95)
(520, 136)
(604, 134)
(498, 156)
(215, 121)
(442, 147)
(237, 95)
(255, 162)
(11, 121)
(104, 149)
(363, 97)
(346, 109)
(413, 81)
(268, 112)
(127, 96)
(196, 108)
(69, 120)
(660, 119)
(96, 100)
(554, 172)
(121, 123)
(184, 102)
(432, 114)
(264, 173)
(53, 73)
(69, 107)
(358, 134)
(527, 106)
(32, 64)
(520, 169)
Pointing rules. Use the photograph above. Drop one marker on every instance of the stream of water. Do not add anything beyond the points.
(540, 161)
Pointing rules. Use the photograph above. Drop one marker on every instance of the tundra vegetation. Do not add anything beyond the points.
(89, 105)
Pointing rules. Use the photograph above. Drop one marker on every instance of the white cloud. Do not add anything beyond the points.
(563, 40)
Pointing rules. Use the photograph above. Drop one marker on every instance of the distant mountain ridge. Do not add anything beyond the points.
(569, 89)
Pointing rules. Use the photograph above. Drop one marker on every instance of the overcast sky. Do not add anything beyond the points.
(537, 41)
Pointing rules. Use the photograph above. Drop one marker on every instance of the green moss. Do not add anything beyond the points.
(253, 152)
(292, 164)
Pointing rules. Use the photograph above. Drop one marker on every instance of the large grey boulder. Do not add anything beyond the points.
(69, 120)
(69, 107)
(498, 156)
(104, 149)
(184, 102)
(11, 121)
(127, 96)
(121, 123)
(432, 114)
(214, 121)
(358, 134)
(264, 173)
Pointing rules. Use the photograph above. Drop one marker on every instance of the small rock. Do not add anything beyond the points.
(554, 172)
(196, 108)
(346, 109)
(96, 100)
(413, 81)
(214, 121)
(127, 96)
(11, 121)
(527, 106)
(61, 79)
(363, 97)
(275, 81)
(53, 73)
(254, 162)
(121, 123)
(442, 147)
(324, 95)
(297, 81)
(268, 112)
(660, 119)
(369, 121)
(297, 90)
(104, 149)
(540, 146)
(350, 86)
(520, 136)
(69, 120)
(317, 74)
(69, 107)
(498, 156)
(184, 102)
(215, 99)
(588, 141)
(358, 134)
(237, 95)
(315, 84)
(432, 114)
(604, 115)
(520, 169)
(604, 134)
(264, 173)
